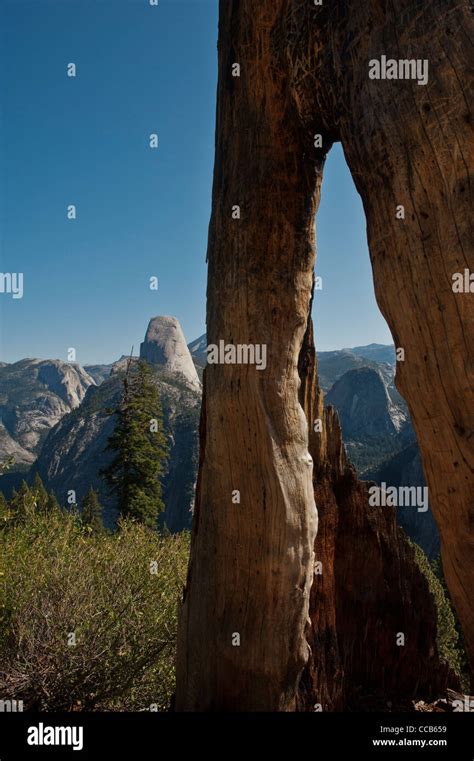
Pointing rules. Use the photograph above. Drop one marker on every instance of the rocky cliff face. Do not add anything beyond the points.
(34, 395)
(165, 345)
(374, 425)
(197, 349)
(363, 404)
(405, 469)
(305, 84)
(99, 372)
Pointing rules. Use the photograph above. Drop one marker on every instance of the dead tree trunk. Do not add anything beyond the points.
(304, 73)
(412, 146)
(251, 567)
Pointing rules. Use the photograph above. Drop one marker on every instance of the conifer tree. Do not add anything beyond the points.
(3, 509)
(40, 493)
(22, 504)
(91, 514)
(139, 446)
(53, 503)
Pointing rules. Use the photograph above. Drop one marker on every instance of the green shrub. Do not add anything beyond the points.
(447, 637)
(88, 620)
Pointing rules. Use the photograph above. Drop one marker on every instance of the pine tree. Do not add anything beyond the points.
(91, 514)
(40, 493)
(23, 502)
(3, 509)
(140, 448)
(53, 503)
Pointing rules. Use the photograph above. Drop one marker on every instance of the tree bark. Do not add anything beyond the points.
(251, 565)
(304, 71)
(412, 145)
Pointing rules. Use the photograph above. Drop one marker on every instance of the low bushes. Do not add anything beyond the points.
(88, 620)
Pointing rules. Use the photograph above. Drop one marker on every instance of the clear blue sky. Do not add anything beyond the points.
(140, 212)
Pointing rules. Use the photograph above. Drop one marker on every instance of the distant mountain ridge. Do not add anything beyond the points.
(34, 395)
(55, 418)
(380, 353)
(69, 452)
